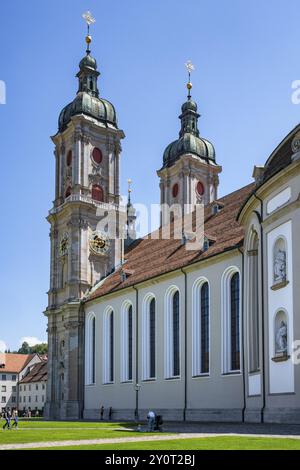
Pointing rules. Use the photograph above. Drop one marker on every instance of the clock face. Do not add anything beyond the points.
(64, 244)
(99, 243)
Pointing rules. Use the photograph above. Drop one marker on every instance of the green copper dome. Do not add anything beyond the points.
(88, 62)
(188, 143)
(84, 103)
(189, 138)
(87, 100)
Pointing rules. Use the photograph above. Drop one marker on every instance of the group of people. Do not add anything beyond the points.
(10, 416)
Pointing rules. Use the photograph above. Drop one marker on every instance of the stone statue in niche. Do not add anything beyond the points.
(280, 266)
(281, 338)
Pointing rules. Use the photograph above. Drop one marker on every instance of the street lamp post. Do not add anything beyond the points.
(137, 388)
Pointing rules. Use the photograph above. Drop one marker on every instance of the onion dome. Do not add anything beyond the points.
(189, 137)
(87, 100)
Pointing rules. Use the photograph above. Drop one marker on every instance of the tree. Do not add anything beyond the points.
(24, 349)
(41, 348)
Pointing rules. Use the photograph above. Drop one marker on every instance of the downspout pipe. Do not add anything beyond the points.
(136, 354)
(260, 219)
(185, 345)
(243, 336)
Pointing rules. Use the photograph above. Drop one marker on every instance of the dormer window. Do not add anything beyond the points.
(205, 244)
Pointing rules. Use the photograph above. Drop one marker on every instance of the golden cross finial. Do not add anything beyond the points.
(89, 19)
(190, 68)
(129, 181)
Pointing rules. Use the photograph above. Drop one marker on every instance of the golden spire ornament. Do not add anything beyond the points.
(190, 68)
(89, 19)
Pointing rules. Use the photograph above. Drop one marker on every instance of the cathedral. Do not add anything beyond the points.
(137, 324)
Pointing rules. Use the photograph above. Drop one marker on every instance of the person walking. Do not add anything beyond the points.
(101, 412)
(151, 420)
(7, 417)
(15, 418)
(110, 413)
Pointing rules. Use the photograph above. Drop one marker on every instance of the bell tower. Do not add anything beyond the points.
(189, 175)
(87, 159)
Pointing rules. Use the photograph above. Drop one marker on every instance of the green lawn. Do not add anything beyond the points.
(210, 443)
(49, 431)
(43, 431)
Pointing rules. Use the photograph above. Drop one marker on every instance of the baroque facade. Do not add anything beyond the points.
(204, 335)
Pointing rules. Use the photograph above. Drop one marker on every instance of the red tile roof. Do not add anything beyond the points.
(148, 257)
(37, 374)
(15, 362)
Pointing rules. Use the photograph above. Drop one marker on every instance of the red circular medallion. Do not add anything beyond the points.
(97, 155)
(200, 188)
(175, 190)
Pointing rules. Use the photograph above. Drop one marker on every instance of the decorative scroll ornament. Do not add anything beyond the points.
(99, 243)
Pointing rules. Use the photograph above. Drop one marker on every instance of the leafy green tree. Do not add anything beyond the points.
(24, 349)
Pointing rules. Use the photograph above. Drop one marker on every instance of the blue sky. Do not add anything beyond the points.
(246, 56)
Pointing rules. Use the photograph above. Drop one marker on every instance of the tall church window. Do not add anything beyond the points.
(108, 344)
(97, 193)
(172, 333)
(149, 338)
(231, 306)
(253, 303)
(176, 352)
(201, 346)
(126, 342)
(235, 321)
(90, 350)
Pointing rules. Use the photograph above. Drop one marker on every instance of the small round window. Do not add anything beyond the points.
(97, 155)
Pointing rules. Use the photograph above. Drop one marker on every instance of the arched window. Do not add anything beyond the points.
(108, 344)
(253, 303)
(200, 328)
(172, 334)
(69, 158)
(149, 338)
(90, 350)
(235, 321)
(68, 192)
(126, 342)
(231, 306)
(97, 193)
